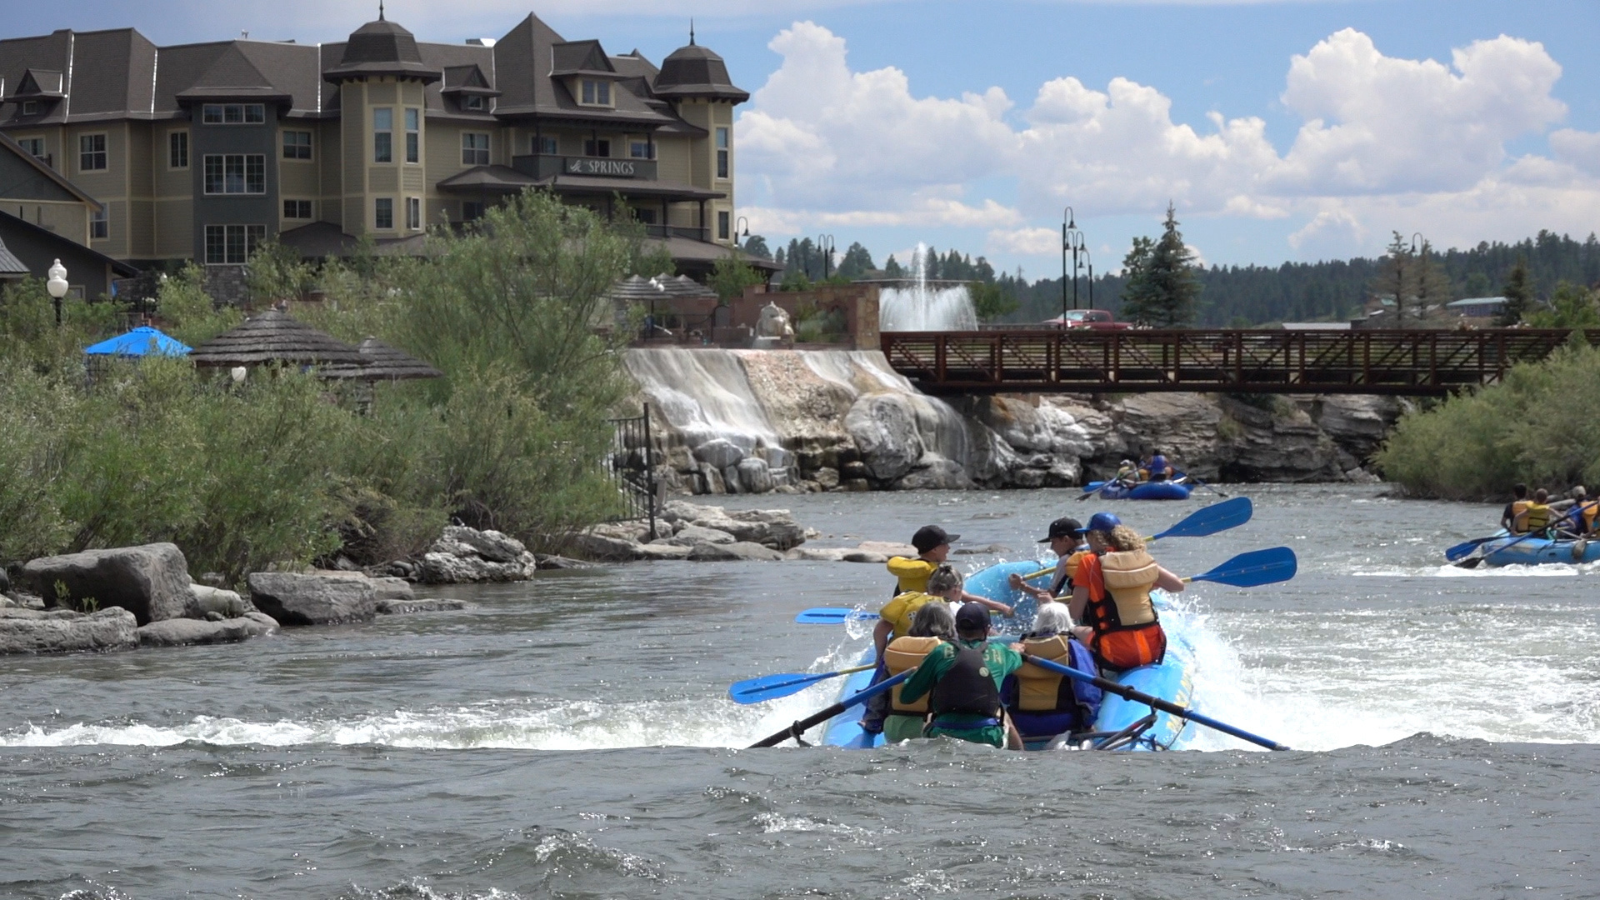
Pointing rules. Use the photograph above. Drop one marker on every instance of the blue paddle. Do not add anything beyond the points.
(832, 615)
(1212, 519)
(1252, 569)
(771, 687)
(1167, 706)
(1466, 547)
(817, 718)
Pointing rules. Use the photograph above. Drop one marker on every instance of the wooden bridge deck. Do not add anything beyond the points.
(1400, 361)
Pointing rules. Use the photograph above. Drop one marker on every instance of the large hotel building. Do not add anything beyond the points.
(203, 150)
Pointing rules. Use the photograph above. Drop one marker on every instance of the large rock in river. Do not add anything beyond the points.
(312, 599)
(151, 581)
(60, 630)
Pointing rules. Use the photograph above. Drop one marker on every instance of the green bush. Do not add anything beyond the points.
(1540, 426)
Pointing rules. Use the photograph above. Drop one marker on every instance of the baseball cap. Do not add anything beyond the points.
(1101, 522)
(1063, 527)
(931, 536)
(972, 617)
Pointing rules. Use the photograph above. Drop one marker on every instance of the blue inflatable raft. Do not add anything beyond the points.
(1146, 490)
(1171, 680)
(1538, 551)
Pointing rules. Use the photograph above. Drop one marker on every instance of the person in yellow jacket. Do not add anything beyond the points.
(933, 548)
(931, 626)
(1536, 517)
(1514, 509)
(944, 586)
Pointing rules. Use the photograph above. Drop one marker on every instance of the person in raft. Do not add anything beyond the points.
(1066, 542)
(1160, 469)
(944, 586)
(1517, 506)
(1127, 473)
(1111, 597)
(1535, 517)
(931, 626)
(1045, 704)
(962, 682)
(933, 548)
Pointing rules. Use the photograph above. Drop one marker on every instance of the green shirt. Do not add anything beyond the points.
(1000, 660)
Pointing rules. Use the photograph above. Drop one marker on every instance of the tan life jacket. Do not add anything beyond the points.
(1040, 690)
(907, 653)
(1129, 576)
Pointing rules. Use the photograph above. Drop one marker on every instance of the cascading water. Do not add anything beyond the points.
(916, 307)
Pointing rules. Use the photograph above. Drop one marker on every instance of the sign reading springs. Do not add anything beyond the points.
(586, 166)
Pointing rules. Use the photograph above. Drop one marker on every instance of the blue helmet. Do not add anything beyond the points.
(1101, 522)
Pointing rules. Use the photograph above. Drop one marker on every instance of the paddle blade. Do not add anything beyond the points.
(771, 687)
(1462, 549)
(1257, 567)
(1214, 518)
(832, 615)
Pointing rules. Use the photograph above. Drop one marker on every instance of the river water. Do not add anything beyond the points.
(571, 738)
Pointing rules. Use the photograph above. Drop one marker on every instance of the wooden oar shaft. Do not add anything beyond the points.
(1166, 706)
(817, 718)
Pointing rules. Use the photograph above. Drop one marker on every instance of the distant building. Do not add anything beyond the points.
(203, 150)
(1477, 307)
(43, 218)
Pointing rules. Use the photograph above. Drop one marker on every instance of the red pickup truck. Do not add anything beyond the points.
(1097, 319)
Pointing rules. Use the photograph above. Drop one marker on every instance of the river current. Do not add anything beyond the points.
(571, 737)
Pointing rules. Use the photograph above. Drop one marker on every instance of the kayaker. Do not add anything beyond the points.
(1517, 506)
(1067, 543)
(962, 681)
(1112, 597)
(1535, 517)
(1160, 469)
(1045, 704)
(933, 548)
(932, 625)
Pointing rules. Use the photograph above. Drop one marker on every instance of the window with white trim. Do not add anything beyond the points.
(641, 150)
(383, 213)
(474, 149)
(474, 102)
(383, 135)
(34, 146)
(722, 153)
(297, 209)
(92, 153)
(99, 224)
(723, 217)
(413, 135)
(178, 150)
(297, 145)
(233, 114)
(414, 213)
(232, 244)
(595, 92)
(30, 107)
(235, 173)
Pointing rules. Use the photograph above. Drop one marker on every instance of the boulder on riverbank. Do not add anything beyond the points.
(692, 531)
(183, 632)
(388, 607)
(151, 581)
(299, 600)
(62, 630)
(468, 556)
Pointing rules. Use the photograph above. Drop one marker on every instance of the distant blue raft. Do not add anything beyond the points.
(1171, 680)
(1145, 490)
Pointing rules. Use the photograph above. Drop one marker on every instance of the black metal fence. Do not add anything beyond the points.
(631, 465)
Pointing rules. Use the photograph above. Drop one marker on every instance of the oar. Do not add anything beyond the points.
(1255, 568)
(1103, 485)
(832, 615)
(1209, 520)
(1206, 486)
(1167, 706)
(1462, 549)
(1473, 561)
(799, 728)
(771, 687)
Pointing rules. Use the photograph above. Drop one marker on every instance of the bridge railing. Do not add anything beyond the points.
(1396, 361)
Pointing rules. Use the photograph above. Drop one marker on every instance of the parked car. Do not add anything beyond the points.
(1097, 319)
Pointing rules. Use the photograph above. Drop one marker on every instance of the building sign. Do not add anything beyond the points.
(621, 168)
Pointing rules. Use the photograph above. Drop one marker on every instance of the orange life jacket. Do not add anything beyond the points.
(1127, 631)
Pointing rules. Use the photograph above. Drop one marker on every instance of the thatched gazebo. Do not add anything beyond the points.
(272, 337)
(381, 362)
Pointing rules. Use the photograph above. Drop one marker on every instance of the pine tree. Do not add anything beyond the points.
(855, 263)
(756, 245)
(1138, 301)
(1395, 277)
(892, 268)
(1163, 287)
(1517, 292)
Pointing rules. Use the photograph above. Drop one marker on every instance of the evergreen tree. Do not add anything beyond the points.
(930, 264)
(778, 258)
(1517, 293)
(893, 269)
(1171, 276)
(857, 261)
(1396, 278)
(756, 245)
(1138, 298)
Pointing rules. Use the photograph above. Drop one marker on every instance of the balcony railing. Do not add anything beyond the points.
(543, 166)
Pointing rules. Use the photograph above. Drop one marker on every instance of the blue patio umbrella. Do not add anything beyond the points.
(142, 341)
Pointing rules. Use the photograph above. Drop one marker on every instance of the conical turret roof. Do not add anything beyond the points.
(382, 48)
(695, 71)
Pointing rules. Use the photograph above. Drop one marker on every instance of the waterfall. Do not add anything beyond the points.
(915, 307)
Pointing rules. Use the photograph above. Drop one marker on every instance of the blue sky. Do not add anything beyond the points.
(1281, 129)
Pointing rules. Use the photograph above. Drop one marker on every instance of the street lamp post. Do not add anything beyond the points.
(56, 284)
(1090, 261)
(741, 228)
(1071, 239)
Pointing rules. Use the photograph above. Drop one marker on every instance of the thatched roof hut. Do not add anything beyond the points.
(381, 362)
(273, 337)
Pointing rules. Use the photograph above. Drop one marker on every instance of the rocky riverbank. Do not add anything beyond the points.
(811, 420)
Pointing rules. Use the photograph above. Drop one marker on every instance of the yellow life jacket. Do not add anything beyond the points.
(1589, 512)
(1536, 517)
(1129, 576)
(1039, 690)
(1518, 507)
(907, 653)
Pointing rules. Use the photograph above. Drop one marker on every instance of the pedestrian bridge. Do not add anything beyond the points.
(1268, 361)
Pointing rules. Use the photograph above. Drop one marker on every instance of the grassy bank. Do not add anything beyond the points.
(282, 468)
(1540, 426)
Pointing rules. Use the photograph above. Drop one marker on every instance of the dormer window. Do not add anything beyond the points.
(30, 107)
(596, 93)
(475, 102)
